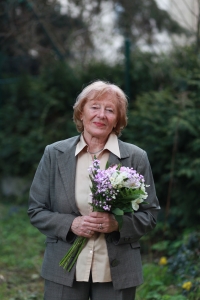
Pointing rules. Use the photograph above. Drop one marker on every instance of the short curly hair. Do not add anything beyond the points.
(94, 91)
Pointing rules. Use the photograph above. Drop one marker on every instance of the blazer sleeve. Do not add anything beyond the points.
(51, 223)
(137, 224)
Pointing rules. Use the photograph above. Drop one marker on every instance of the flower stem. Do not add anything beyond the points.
(68, 261)
(77, 254)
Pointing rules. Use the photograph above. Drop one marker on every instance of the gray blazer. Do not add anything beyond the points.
(52, 209)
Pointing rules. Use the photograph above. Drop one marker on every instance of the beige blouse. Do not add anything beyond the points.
(94, 256)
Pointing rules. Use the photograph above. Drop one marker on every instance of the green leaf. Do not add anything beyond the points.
(119, 219)
(117, 212)
(107, 165)
(126, 210)
(118, 166)
(131, 197)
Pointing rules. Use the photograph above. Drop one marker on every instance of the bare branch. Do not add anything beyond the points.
(182, 15)
(191, 11)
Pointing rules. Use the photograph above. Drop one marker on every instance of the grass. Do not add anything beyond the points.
(21, 253)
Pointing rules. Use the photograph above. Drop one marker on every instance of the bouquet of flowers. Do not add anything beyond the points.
(116, 190)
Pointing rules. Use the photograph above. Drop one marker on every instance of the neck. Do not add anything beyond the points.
(95, 145)
(95, 151)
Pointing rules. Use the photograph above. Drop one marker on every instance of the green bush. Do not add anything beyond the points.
(185, 264)
(167, 125)
(34, 113)
(176, 275)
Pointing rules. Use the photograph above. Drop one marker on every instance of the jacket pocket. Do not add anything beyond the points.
(51, 240)
(135, 245)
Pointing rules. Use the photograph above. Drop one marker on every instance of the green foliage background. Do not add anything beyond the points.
(163, 119)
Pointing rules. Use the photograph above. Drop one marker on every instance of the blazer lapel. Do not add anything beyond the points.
(113, 159)
(67, 166)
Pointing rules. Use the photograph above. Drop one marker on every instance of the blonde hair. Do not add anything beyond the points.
(94, 91)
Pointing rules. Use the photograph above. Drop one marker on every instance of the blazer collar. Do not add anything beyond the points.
(67, 145)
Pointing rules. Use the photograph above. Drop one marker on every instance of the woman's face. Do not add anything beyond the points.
(100, 116)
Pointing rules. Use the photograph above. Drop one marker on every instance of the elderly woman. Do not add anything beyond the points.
(109, 266)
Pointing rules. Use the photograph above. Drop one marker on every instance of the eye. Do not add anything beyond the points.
(95, 107)
(109, 110)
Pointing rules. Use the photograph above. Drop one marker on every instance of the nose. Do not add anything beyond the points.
(101, 113)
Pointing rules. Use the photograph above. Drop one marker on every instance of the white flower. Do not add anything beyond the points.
(132, 183)
(143, 186)
(136, 202)
(117, 179)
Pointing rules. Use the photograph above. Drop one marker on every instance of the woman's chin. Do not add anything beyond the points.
(99, 133)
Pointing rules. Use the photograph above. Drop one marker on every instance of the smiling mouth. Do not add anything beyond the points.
(99, 124)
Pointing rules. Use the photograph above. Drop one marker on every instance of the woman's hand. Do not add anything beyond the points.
(102, 222)
(95, 222)
(80, 227)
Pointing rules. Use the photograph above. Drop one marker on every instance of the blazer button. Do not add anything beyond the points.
(114, 263)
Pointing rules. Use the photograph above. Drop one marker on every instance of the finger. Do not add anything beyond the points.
(97, 220)
(96, 214)
(95, 227)
(89, 233)
(102, 227)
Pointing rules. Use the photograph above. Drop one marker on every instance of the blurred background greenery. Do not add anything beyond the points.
(50, 50)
